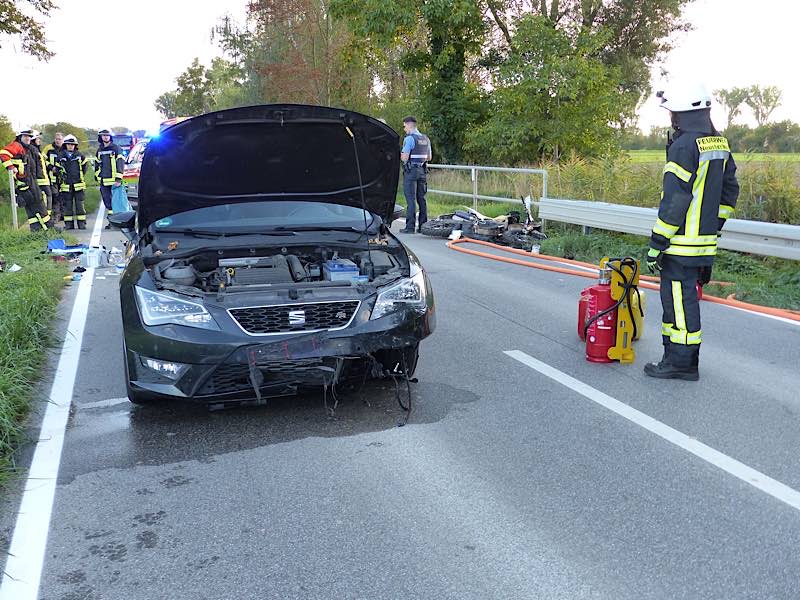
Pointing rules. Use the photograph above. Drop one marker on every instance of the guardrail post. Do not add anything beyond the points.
(12, 192)
(474, 173)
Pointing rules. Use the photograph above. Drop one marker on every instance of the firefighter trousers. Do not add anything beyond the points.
(47, 198)
(680, 325)
(106, 194)
(35, 209)
(74, 211)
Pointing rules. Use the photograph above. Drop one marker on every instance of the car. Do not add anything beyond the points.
(261, 261)
(132, 169)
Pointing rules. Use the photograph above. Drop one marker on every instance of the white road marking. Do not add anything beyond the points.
(26, 554)
(766, 484)
(101, 403)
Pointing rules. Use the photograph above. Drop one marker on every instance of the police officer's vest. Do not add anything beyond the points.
(421, 153)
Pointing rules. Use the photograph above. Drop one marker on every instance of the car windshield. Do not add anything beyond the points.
(263, 216)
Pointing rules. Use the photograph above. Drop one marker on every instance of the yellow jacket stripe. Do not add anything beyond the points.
(726, 212)
(678, 171)
(665, 229)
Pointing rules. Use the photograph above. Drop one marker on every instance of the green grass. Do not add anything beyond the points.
(651, 156)
(28, 302)
(758, 280)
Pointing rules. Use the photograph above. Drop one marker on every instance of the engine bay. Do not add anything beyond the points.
(246, 269)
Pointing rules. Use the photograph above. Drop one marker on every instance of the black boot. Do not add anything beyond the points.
(81, 224)
(675, 365)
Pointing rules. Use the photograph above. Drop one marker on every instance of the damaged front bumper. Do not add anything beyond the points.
(192, 366)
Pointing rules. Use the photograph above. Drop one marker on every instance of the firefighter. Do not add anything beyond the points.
(73, 166)
(699, 194)
(18, 158)
(108, 167)
(415, 155)
(51, 154)
(42, 175)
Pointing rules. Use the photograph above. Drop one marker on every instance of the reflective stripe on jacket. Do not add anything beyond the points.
(73, 168)
(109, 165)
(700, 192)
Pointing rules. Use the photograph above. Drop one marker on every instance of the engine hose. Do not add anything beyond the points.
(649, 283)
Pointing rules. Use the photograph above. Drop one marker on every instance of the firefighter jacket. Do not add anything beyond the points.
(109, 165)
(18, 155)
(699, 192)
(51, 154)
(73, 167)
(40, 163)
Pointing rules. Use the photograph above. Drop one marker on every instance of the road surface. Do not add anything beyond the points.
(515, 477)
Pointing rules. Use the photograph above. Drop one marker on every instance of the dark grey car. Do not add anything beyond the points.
(262, 260)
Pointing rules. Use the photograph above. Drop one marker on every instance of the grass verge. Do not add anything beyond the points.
(28, 302)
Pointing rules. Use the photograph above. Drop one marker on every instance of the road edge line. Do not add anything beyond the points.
(25, 561)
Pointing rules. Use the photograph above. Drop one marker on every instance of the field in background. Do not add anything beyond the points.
(647, 156)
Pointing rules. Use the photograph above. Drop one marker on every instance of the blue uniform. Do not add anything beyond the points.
(415, 180)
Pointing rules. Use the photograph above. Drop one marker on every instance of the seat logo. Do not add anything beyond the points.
(297, 318)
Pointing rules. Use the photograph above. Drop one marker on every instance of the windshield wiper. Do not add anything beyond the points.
(216, 234)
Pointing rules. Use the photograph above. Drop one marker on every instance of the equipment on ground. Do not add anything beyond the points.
(611, 312)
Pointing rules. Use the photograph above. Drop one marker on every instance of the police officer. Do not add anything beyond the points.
(42, 175)
(699, 194)
(108, 167)
(18, 158)
(415, 155)
(51, 154)
(73, 166)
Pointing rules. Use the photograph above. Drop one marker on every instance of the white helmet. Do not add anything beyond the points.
(36, 134)
(70, 139)
(685, 97)
(25, 131)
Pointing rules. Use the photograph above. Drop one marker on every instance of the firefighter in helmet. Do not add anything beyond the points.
(699, 194)
(108, 167)
(42, 174)
(73, 166)
(18, 158)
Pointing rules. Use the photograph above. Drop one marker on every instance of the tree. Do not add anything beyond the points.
(638, 35)
(438, 37)
(15, 23)
(7, 132)
(551, 96)
(763, 102)
(201, 90)
(731, 101)
(49, 131)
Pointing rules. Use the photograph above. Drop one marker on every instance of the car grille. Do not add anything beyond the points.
(288, 318)
(235, 377)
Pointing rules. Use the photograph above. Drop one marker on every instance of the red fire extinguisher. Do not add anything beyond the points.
(600, 333)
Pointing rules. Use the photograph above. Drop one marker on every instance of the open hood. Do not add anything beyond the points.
(270, 152)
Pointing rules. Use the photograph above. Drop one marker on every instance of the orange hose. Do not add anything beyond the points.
(647, 284)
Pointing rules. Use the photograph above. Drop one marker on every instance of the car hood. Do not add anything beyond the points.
(270, 152)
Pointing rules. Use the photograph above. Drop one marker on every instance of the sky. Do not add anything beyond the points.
(114, 58)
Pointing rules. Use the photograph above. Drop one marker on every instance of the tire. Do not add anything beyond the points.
(522, 240)
(443, 227)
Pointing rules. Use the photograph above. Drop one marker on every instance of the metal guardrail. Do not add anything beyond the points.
(12, 194)
(754, 237)
(474, 170)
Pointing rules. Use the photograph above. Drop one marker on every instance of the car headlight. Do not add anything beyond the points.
(157, 308)
(409, 293)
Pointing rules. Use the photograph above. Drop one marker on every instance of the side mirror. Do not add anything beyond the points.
(399, 212)
(124, 221)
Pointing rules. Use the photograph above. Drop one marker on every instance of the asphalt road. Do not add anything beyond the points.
(505, 483)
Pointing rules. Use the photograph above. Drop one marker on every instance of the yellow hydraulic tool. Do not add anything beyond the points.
(630, 312)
